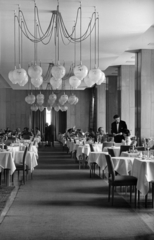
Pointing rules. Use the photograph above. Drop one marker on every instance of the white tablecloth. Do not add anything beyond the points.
(144, 171)
(99, 158)
(82, 149)
(31, 159)
(6, 161)
(123, 165)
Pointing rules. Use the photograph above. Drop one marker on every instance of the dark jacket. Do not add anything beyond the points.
(122, 128)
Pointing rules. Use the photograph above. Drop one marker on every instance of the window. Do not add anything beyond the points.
(48, 116)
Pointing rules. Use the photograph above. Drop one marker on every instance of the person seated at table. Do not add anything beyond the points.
(26, 134)
(18, 133)
(37, 133)
(101, 135)
(79, 133)
(127, 138)
(91, 135)
(133, 141)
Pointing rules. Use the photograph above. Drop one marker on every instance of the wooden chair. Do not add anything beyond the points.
(92, 169)
(124, 148)
(124, 180)
(140, 148)
(111, 152)
(22, 167)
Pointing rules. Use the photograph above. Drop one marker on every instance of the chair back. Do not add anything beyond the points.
(124, 148)
(111, 152)
(140, 148)
(107, 144)
(24, 156)
(91, 147)
(110, 166)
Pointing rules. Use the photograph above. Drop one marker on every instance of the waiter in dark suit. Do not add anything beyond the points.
(117, 129)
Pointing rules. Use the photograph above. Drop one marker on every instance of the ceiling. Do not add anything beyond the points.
(124, 26)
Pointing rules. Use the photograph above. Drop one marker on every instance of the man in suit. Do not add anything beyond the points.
(51, 132)
(117, 129)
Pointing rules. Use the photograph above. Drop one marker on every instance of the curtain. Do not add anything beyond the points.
(38, 120)
(93, 109)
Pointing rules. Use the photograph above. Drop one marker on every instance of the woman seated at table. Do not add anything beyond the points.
(127, 138)
(101, 135)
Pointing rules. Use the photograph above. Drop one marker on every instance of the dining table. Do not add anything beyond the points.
(143, 169)
(7, 163)
(99, 159)
(30, 161)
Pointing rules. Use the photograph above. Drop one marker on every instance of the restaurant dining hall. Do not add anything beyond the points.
(77, 120)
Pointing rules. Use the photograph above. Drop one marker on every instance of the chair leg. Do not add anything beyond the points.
(24, 176)
(109, 193)
(130, 194)
(138, 198)
(112, 194)
(18, 175)
(146, 200)
(135, 196)
(152, 195)
(0, 178)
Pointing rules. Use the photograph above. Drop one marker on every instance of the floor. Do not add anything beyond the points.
(63, 202)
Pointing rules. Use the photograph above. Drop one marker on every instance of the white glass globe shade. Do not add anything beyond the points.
(72, 99)
(51, 102)
(95, 74)
(24, 81)
(58, 72)
(55, 83)
(34, 107)
(30, 99)
(63, 99)
(76, 101)
(57, 108)
(52, 97)
(80, 71)
(19, 75)
(37, 82)
(41, 108)
(35, 71)
(64, 108)
(89, 82)
(49, 108)
(40, 98)
(10, 76)
(101, 80)
(26, 99)
(74, 82)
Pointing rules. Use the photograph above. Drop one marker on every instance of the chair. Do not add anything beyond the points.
(107, 144)
(124, 148)
(92, 169)
(124, 180)
(91, 147)
(140, 148)
(22, 166)
(111, 152)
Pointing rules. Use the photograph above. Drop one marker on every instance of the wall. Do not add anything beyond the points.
(101, 106)
(78, 115)
(15, 112)
(127, 79)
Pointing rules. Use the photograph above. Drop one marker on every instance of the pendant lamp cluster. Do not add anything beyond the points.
(57, 31)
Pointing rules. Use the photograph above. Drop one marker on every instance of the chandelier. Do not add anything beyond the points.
(56, 73)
